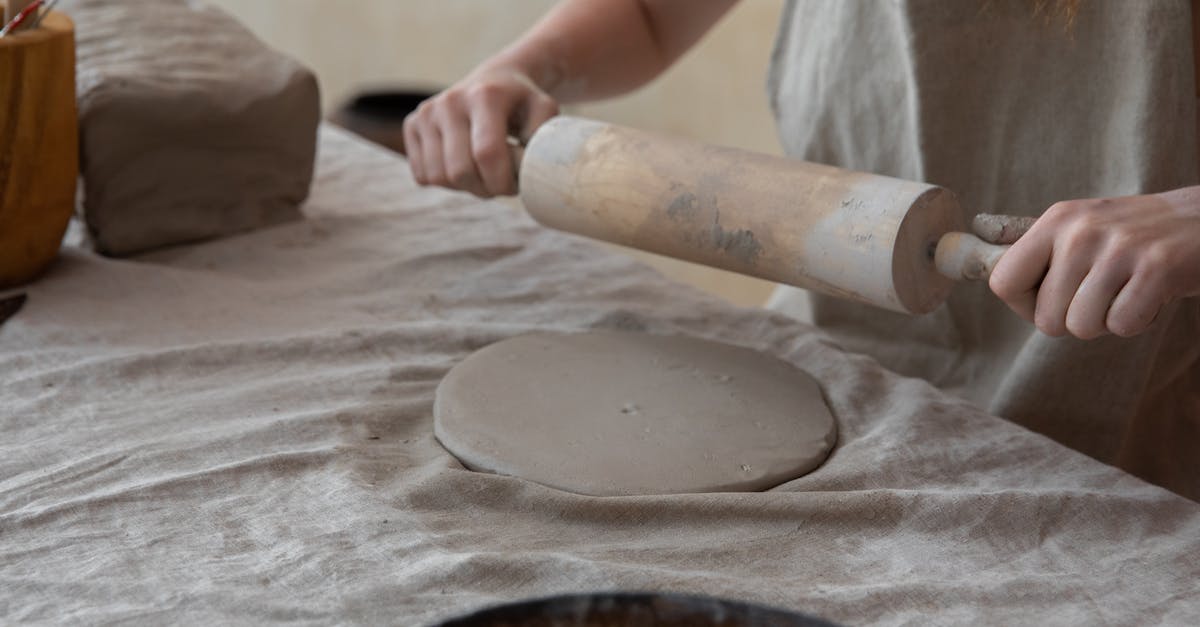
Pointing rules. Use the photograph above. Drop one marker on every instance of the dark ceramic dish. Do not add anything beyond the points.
(633, 610)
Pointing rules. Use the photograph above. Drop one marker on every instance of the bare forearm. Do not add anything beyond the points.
(582, 50)
(590, 49)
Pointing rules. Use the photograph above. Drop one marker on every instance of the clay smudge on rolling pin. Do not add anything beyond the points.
(684, 207)
(740, 243)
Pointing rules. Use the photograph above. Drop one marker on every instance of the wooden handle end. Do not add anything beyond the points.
(965, 257)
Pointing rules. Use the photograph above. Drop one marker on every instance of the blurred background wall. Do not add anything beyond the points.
(716, 93)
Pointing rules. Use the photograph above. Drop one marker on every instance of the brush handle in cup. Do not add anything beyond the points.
(14, 9)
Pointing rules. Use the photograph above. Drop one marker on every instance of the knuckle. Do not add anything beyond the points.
(450, 98)
(1122, 325)
(459, 176)
(1003, 286)
(486, 92)
(1159, 276)
(1156, 260)
(410, 123)
(1122, 243)
(1000, 287)
(418, 120)
(488, 151)
(1051, 329)
(1063, 210)
(1084, 330)
(1082, 234)
(1049, 324)
(1111, 263)
(546, 103)
(1116, 259)
(1123, 330)
(1132, 317)
(540, 110)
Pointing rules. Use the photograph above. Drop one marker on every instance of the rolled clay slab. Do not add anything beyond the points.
(610, 413)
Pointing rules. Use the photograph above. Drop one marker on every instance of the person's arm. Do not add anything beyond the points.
(582, 50)
(1104, 266)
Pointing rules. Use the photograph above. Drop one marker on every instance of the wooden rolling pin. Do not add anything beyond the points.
(879, 240)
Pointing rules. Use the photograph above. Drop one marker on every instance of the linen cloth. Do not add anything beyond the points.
(1013, 108)
(240, 432)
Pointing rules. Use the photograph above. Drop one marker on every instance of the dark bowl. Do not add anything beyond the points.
(633, 610)
(378, 116)
(386, 106)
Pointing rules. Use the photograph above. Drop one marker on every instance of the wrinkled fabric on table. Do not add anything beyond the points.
(240, 431)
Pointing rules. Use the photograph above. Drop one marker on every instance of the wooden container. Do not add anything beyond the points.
(39, 146)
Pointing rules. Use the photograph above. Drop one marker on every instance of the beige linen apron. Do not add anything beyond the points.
(1014, 110)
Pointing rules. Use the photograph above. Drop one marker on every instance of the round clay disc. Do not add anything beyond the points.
(610, 413)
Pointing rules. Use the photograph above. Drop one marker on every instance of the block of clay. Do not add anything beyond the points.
(190, 127)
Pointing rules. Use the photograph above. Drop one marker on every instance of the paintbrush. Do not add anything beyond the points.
(47, 7)
(25, 11)
(14, 9)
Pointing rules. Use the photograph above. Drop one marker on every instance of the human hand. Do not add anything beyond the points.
(459, 138)
(1100, 266)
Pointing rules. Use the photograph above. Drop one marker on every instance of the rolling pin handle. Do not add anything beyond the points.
(965, 257)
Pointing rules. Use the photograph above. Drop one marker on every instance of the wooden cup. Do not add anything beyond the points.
(39, 146)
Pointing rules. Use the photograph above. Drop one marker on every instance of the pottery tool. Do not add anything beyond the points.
(47, 7)
(896, 244)
(12, 8)
(20, 15)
